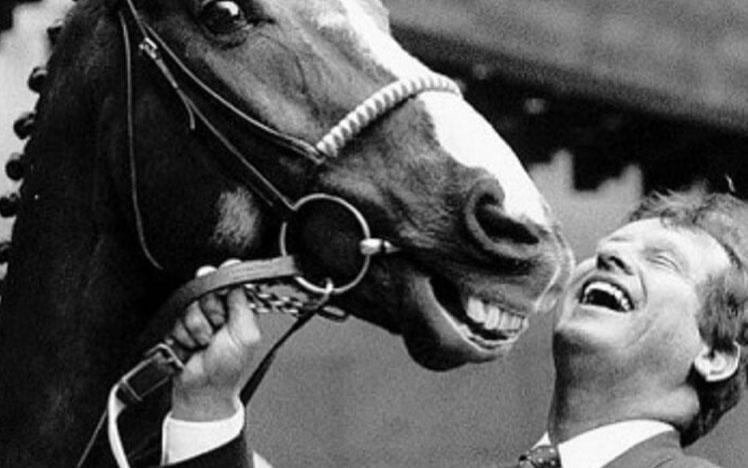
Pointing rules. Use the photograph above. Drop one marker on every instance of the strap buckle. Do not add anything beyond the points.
(159, 364)
(150, 48)
(168, 356)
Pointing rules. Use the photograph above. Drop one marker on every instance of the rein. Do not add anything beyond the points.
(258, 276)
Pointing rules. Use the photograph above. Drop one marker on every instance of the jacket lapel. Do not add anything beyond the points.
(650, 453)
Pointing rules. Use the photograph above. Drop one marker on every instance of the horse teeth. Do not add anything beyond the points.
(494, 317)
(515, 322)
(505, 321)
(475, 310)
(489, 316)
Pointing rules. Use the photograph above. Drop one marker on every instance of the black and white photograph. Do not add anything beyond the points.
(373, 233)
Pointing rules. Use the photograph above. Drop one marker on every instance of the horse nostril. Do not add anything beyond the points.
(490, 225)
(497, 226)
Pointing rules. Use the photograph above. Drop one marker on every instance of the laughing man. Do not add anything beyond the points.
(649, 348)
(649, 340)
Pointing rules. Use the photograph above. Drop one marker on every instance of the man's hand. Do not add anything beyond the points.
(222, 331)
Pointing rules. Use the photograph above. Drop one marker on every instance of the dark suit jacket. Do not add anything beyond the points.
(662, 451)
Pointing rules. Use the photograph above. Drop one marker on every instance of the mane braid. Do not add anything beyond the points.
(18, 164)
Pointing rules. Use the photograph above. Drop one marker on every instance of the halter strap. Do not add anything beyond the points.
(132, 166)
(251, 176)
(282, 140)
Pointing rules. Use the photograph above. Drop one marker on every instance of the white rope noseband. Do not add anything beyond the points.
(379, 104)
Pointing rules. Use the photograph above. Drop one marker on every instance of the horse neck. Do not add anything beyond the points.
(77, 294)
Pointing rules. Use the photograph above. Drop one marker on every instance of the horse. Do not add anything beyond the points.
(125, 195)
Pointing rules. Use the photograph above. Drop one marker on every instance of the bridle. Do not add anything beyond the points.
(327, 148)
(167, 357)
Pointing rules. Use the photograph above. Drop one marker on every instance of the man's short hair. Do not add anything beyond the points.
(724, 316)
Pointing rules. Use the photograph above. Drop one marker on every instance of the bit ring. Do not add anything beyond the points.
(365, 232)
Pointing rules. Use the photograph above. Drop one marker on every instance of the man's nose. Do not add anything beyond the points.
(609, 258)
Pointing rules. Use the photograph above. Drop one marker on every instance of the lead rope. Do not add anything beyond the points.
(262, 301)
(269, 292)
(167, 358)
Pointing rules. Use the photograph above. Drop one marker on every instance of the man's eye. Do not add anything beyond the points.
(222, 16)
(665, 261)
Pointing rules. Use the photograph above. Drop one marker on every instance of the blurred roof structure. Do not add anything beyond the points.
(683, 58)
(6, 12)
(661, 84)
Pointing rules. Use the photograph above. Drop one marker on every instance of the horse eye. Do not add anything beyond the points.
(222, 16)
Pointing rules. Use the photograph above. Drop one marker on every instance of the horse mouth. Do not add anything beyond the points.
(480, 322)
(450, 327)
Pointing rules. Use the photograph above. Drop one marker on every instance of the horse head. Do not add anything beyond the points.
(142, 103)
(478, 249)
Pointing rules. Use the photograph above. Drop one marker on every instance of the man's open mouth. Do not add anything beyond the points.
(482, 322)
(606, 294)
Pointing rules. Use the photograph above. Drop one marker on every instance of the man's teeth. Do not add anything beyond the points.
(591, 291)
(491, 317)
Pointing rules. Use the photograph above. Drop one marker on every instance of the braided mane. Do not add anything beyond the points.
(18, 164)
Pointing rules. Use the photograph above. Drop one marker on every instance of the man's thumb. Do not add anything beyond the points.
(242, 322)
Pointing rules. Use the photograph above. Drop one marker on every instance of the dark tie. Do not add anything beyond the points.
(542, 456)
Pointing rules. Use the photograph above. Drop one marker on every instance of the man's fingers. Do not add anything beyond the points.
(197, 325)
(241, 321)
(214, 309)
(210, 303)
(230, 262)
(227, 263)
(205, 270)
(182, 336)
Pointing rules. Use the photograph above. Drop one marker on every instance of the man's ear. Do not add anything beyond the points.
(717, 365)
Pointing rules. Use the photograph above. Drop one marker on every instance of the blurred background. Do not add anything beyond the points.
(602, 100)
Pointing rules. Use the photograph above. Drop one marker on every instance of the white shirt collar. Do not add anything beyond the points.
(600, 446)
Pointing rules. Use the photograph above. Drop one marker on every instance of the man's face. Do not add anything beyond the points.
(631, 312)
